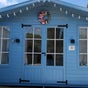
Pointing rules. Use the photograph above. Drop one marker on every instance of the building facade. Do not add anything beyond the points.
(44, 42)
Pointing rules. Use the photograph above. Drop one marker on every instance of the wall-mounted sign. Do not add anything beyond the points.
(71, 48)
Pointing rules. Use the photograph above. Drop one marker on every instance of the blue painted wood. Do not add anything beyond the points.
(10, 74)
(68, 5)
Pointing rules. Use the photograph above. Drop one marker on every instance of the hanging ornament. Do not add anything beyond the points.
(0, 16)
(44, 17)
(66, 12)
(8, 15)
(20, 11)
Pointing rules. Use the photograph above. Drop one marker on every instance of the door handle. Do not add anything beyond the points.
(44, 53)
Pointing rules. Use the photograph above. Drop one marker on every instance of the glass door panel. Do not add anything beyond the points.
(54, 58)
(54, 47)
(33, 43)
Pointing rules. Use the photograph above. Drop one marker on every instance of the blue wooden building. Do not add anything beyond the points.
(44, 42)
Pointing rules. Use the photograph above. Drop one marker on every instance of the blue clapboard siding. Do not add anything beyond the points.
(15, 69)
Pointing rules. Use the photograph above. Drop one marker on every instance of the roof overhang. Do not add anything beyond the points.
(33, 4)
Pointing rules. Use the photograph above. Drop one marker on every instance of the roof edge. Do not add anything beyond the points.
(70, 5)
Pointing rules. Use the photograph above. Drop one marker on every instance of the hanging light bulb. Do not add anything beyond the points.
(72, 15)
(54, 5)
(8, 15)
(79, 17)
(27, 8)
(48, 0)
(20, 11)
(14, 14)
(66, 12)
(33, 5)
(0, 16)
(87, 18)
(44, 1)
(61, 9)
(38, 0)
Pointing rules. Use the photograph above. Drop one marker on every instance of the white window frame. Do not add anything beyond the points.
(54, 53)
(2, 38)
(32, 53)
(87, 45)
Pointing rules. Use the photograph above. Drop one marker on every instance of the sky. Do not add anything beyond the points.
(4, 3)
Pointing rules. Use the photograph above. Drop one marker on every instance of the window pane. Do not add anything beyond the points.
(0, 31)
(5, 33)
(30, 33)
(50, 33)
(83, 60)
(37, 32)
(29, 45)
(5, 45)
(83, 33)
(59, 60)
(37, 46)
(28, 59)
(59, 33)
(50, 59)
(37, 58)
(4, 58)
(0, 57)
(0, 45)
(59, 46)
(50, 46)
(83, 46)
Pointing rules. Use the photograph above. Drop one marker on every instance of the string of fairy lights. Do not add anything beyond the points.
(39, 1)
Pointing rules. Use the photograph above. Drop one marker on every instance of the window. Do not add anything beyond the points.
(55, 46)
(83, 46)
(33, 46)
(4, 45)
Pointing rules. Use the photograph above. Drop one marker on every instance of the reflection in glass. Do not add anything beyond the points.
(29, 45)
(29, 33)
(28, 59)
(50, 60)
(5, 33)
(33, 46)
(59, 60)
(83, 60)
(0, 45)
(0, 31)
(37, 32)
(55, 46)
(0, 57)
(37, 58)
(50, 33)
(50, 46)
(4, 58)
(59, 33)
(5, 45)
(83, 33)
(37, 45)
(83, 46)
(59, 46)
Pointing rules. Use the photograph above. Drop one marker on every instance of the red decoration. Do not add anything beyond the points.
(44, 17)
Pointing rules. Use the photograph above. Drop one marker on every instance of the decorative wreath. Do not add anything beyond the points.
(44, 17)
